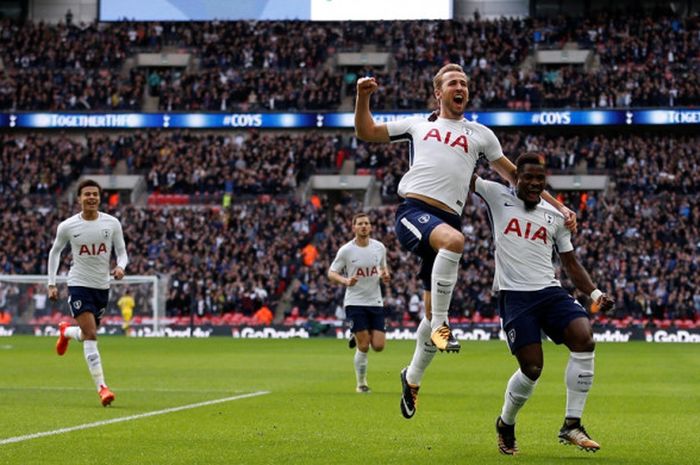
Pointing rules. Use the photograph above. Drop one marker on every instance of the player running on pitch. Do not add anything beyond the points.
(363, 263)
(92, 235)
(526, 231)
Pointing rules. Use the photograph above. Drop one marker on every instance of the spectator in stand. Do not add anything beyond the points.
(264, 316)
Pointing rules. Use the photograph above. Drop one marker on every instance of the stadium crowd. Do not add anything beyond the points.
(639, 60)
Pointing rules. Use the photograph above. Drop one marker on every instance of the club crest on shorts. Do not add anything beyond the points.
(77, 304)
(511, 335)
(549, 218)
(424, 218)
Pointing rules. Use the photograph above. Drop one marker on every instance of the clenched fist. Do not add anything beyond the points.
(366, 86)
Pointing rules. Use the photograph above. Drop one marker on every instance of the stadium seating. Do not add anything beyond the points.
(253, 66)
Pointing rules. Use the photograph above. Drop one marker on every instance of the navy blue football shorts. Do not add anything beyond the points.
(415, 220)
(86, 299)
(365, 318)
(526, 314)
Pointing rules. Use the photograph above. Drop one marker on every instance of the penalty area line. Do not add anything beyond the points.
(27, 437)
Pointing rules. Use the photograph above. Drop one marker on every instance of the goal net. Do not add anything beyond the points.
(24, 302)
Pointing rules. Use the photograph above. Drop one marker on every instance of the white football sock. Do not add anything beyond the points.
(442, 282)
(423, 355)
(73, 332)
(92, 357)
(518, 391)
(361, 367)
(579, 379)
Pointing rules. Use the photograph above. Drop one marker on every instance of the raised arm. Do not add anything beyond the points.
(505, 168)
(365, 127)
(581, 279)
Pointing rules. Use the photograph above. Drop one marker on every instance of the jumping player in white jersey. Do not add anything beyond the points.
(444, 150)
(363, 263)
(92, 235)
(526, 231)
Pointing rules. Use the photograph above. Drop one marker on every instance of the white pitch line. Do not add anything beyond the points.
(89, 389)
(129, 418)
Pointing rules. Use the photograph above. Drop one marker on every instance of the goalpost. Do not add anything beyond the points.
(24, 297)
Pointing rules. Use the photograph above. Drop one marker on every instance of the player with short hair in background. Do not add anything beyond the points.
(359, 265)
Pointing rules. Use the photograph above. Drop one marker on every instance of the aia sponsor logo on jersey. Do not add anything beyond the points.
(366, 272)
(93, 249)
(525, 231)
(447, 139)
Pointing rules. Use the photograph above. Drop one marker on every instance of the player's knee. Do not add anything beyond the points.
(362, 346)
(585, 343)
(378, 347)
(448, 238)
(454, 242)
(532, 370)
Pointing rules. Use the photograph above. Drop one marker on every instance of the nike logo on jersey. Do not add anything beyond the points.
(508, 204)
(443, 285)
(76, 235)
(354, 261)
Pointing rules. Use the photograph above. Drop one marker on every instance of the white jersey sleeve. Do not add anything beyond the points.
(562, 239)
(338, 264)
(524, 240)
(366, 264)
(491, 147)
(400, 130)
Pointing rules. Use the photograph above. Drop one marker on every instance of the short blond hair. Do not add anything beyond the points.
(437, 80)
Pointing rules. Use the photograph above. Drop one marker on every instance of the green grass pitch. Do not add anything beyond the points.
(644, 407)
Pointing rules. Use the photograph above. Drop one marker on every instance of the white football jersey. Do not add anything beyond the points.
(91, 244)
(524, 240)
(443, 154)
(366, 263)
